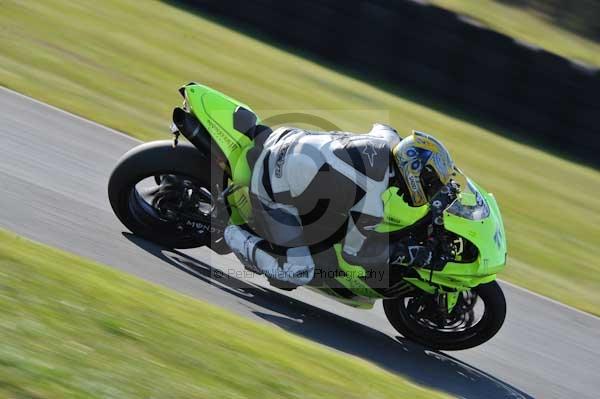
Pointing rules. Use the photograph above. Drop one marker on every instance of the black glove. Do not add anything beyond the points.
(411, 255)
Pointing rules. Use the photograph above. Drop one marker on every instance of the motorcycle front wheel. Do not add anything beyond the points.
(476, 318)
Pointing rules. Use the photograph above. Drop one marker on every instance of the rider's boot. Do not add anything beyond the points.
(244, 245)
(297, 268)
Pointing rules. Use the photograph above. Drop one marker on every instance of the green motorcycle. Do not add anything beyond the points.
(183, 195)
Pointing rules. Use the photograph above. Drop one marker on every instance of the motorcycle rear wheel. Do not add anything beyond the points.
(411, 318)
(148, 162)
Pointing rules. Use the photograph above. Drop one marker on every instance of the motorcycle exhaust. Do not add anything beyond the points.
(191, 128)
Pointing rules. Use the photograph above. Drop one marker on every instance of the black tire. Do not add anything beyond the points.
(488, 325)
(153, 159)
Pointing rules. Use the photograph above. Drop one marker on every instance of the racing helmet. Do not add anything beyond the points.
(425, 166)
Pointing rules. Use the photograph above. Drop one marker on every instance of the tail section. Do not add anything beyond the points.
(230, 125)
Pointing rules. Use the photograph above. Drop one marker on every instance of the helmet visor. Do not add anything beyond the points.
(431, 182)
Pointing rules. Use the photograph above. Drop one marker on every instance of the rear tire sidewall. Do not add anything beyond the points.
(491, 322)
(155, 158)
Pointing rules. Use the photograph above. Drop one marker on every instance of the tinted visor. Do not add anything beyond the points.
(431, 182)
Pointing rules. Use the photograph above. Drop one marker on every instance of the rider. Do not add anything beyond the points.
(307, 187)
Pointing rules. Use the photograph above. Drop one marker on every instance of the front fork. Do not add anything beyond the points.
(446, 301)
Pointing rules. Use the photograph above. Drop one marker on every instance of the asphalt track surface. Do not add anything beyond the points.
(53, 175)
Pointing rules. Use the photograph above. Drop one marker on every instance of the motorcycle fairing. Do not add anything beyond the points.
(475, 216)
(397, 214)
(485, 231)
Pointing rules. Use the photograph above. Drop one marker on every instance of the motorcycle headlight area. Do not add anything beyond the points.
(470, 203)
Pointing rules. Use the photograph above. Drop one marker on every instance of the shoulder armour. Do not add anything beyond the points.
(368, 155)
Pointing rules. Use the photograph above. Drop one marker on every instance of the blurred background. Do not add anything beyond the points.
(456, 63)
(511, 86)
(582, 17)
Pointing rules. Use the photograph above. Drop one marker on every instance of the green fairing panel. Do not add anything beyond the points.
(241, 208)
(352, 280)
(397, 213)
(215, 111)
(487, 235)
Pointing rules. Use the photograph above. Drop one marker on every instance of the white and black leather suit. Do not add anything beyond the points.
(308, 188)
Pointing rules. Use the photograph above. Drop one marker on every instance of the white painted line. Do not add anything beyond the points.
(62, 111)
(554, 301)
(67, 113)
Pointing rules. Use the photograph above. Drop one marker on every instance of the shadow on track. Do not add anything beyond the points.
(430, 368)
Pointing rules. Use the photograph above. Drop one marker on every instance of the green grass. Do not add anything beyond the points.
(120, 63)
(527, 25)
(71, 328)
